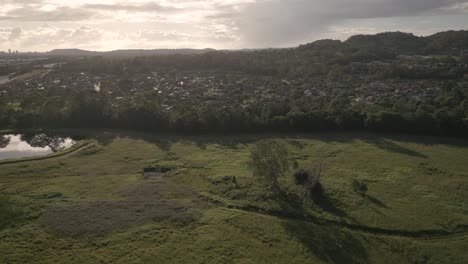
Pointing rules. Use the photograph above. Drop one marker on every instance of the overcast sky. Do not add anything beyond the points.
(40, 25)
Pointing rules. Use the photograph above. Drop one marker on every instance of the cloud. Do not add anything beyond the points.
(277, 22)
(457, 8)
(46, 36)
(15, 33)
(33, 13)
(143, 7)
(109, 24)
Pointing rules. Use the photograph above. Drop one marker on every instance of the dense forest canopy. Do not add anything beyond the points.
(390, 82)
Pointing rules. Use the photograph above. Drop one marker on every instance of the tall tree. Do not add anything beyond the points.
(269, 161)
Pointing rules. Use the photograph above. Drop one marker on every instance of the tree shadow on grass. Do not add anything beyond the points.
(163, 144)
(329, 243)
(105, 138)
(326, 204)
(375, 201)
(393, 147)
(293, 206)
(165, 141)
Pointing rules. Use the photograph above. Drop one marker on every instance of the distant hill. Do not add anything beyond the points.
(70, 52)
(449, 42)
(390, 44)
(125, 53)
(359, 47)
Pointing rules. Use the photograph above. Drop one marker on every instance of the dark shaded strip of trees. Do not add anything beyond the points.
(87, 109)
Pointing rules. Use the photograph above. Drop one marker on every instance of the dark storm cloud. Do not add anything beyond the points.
(276, 22)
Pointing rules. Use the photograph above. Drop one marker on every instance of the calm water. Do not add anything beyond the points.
(21, 146)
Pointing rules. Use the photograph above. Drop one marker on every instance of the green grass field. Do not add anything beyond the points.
(95, 204)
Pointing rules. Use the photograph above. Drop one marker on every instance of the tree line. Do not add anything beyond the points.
(445, 115)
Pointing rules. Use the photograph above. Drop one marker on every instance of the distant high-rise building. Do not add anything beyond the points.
(9, 51)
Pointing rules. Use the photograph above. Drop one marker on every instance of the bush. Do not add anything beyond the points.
(158, 169)
(225, 180)
(301, 176)
(360, 187)
(309, 178)
(295, 164)
(91, 150)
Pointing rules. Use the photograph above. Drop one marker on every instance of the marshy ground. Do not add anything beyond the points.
(97, 204)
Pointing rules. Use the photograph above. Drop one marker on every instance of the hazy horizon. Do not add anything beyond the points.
(44, 25)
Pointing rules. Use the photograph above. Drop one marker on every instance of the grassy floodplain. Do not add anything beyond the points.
(95, 204)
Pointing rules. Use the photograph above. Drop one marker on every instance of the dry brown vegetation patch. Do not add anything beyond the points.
(159, 200)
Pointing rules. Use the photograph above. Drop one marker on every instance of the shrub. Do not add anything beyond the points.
(295, 165)
(309, 178)
(301, 176)
(158, 169)
(360, 187)
(91, 150)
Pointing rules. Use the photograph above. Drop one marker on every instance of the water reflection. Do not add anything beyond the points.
(28, 145)
(4, 141)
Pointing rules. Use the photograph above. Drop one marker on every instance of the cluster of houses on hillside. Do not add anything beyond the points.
(220, 88)
(11, 62)
(398, 90)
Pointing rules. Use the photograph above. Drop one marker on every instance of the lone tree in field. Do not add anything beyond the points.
(269, 161)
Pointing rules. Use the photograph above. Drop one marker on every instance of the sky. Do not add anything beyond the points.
(42, 25)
